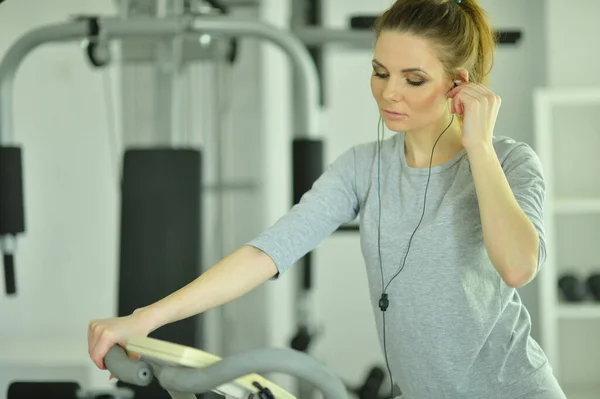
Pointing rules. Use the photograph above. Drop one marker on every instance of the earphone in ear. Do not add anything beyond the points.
(456, 82)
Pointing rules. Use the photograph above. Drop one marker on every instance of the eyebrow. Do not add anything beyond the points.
(403, 71)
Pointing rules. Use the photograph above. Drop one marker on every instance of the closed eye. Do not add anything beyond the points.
(410, 82)
(416, 83)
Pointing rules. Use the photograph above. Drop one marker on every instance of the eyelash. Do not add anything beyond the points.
(410, 82)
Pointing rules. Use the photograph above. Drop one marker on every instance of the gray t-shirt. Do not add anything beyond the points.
(453, 328)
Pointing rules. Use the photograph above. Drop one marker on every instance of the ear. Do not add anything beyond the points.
(462, 74)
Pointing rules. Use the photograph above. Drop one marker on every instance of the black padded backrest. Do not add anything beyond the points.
(42, 390)
(160, 231)
(160, 238)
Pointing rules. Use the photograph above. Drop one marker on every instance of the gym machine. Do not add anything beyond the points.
(183, 372)
(152, 200)
(98, 31)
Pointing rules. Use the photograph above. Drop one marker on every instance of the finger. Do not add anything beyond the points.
(457, 107)
(478, 88)
(458, 85)
(470, 97)
(457, 104)
(89, 336)
(453, 104)
(98, 330)
(485, 93)
(452, 93)
(453, 101)
(481, 94)
(106, 342)
(94, 331)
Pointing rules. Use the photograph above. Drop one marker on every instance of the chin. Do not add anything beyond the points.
(396, 126)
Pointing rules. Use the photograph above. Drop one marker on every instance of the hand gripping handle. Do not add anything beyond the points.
(125, 369)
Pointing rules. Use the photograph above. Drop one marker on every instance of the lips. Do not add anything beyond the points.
(394, 116)
(394, 112)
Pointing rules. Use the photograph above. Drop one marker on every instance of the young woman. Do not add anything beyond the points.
(451, 221)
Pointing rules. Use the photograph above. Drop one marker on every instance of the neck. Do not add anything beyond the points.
(418, 144)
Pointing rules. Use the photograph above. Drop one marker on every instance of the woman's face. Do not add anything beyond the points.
(408, 82)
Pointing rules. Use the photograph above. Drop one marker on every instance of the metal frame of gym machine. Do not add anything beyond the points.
(97, 30)
(305, 108)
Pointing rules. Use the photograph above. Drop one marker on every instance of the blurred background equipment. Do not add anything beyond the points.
(87, 121)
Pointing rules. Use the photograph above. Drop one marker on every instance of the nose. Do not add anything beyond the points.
(392, 92)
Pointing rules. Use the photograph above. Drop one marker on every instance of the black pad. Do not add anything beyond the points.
(12, 215)
(160, 237)
(160, 231)
(307, 165)
(307, 168)
(362, 22)
(42, 390)
(10, 283)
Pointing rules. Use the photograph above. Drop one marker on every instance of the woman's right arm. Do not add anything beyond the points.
(331, 201)
(232, 277)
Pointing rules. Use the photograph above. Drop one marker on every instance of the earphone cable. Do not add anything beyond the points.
(383, 302)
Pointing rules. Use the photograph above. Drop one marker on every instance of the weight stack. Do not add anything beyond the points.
(160, 237)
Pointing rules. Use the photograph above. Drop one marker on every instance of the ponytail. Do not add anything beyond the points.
(460, 31)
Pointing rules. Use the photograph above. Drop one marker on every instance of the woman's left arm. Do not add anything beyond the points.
(511, 239)
(509, 201)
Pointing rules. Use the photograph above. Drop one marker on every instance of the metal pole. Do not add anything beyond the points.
(305, 110)
(324, 36)
(14, 57)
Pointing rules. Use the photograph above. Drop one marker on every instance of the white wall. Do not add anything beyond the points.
(571, 34)
(572, 60)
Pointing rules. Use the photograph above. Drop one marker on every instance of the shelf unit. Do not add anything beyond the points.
(553, 310)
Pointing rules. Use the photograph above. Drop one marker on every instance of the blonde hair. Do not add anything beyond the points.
(460, 32)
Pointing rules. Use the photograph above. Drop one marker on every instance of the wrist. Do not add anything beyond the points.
(148, 318)
(480, 151)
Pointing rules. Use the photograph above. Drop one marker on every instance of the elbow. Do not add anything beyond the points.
(517, 279)
(523, 274)
(521, 268)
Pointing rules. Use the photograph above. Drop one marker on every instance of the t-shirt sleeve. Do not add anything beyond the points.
(525, 176)
(331, 202)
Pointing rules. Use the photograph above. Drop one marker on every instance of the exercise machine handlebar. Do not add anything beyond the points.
(198, 381)
(127, 370)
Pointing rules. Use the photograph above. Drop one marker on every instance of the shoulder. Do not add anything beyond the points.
(514, 154)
